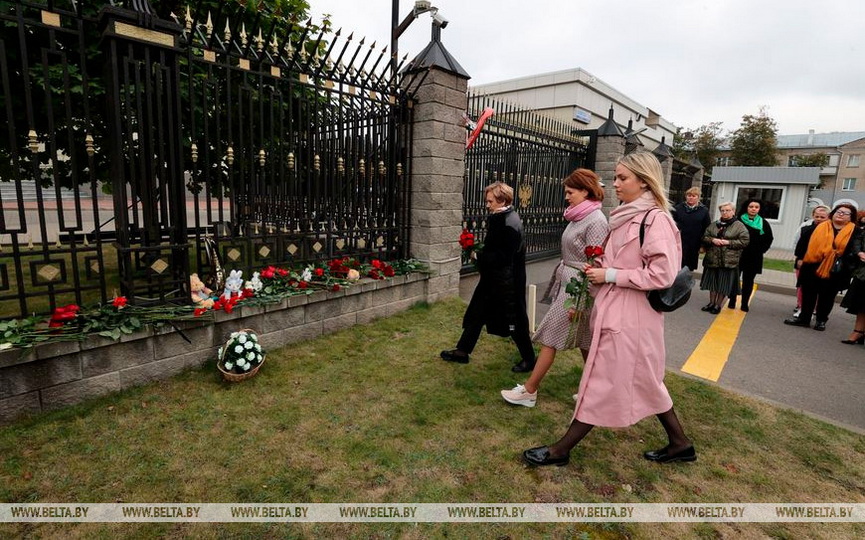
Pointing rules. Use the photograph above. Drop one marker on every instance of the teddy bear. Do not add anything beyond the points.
(233, 284)
(199, 292)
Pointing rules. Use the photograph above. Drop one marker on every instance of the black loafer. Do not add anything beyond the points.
(540, 457)
(820, 326)
(661, 456)
(523, 367)
(707, 307)
(796, 321)
(452, 356)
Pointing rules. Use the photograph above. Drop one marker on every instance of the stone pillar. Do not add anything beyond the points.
(438, 168)
(667, 167)
(610, 149)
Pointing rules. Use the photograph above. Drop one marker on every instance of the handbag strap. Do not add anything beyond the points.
(643, 226)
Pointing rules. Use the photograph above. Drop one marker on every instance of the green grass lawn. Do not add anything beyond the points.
(778, 264)
(370, 414)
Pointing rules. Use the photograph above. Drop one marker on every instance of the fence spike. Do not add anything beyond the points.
(209, 26)
(243, 40)
(259, 41)
(188, 20)
(227, 33)
(33, 141)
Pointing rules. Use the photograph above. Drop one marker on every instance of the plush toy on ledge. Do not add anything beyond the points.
(233, 284)
(199, 292)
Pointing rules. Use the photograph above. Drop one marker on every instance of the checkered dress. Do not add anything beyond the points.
(554, 330)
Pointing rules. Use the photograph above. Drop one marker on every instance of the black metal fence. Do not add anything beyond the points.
(532, 154)
(131, 142)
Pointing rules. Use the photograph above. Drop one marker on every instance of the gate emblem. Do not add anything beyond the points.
(525, 195)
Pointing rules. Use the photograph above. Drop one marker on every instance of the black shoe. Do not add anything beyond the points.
(540, 457)
(707, 307)
(745, 308)
(661, 456)
(715, 310)
(820, 326)
(798, 321)
(732, 303)
(858, 341)
(523, 367)
(452, 356)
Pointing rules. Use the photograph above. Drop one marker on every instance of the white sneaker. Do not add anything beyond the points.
(519, 396)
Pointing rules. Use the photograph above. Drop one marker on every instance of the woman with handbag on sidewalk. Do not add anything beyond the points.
(623, 379)
(820, 254)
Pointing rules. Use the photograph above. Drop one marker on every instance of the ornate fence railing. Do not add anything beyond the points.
(133, 142)
(532, 154)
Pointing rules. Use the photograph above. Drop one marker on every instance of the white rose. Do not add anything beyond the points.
(258, 357)
(219, 353)
(242, 338)
(233, 335)
(253, 337)
(238, 349)
(257, 347)
(229, 366)
(250, 356)
(247, 367)
(248, 345)
(306, 275)
(353, 275)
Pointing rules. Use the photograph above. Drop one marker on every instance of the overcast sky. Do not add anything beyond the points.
(692, 61)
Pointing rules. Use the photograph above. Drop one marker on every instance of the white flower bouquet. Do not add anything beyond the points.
(241, 356)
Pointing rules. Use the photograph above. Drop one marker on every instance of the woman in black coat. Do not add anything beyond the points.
(751, 262)
(499, 300)
(692, 218)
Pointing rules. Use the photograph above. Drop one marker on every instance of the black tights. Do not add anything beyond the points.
(678, 441)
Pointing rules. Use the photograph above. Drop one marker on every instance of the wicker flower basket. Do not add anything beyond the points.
(237, 377)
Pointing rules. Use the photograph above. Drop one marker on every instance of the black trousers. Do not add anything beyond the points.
(747, 279)
(820, 294)
(520, 335)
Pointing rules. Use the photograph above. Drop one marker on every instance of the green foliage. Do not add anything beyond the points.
(819, 159)
(754, 143)
(705, 141)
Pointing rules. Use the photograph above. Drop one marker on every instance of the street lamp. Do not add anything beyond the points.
(397, 28)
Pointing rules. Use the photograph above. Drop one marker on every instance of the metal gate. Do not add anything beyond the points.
(532, 154)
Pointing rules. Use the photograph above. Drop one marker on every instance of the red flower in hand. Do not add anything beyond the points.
(593, 251)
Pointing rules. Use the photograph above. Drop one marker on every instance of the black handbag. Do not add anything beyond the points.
(677, 294)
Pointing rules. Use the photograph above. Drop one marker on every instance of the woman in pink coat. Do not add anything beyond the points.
(623, 380)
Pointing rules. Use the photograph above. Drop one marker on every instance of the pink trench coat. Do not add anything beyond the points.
(623, 381)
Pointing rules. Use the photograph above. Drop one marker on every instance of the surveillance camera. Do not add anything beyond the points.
(439, 20)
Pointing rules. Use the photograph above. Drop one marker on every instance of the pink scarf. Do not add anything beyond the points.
(579, 211)
(624, 213)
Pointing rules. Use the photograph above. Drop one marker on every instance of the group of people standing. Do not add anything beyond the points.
(734, 248)
(621, 336)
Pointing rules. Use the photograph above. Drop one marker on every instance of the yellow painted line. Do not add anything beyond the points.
(711, 355)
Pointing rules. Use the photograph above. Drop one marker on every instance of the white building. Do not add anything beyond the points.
(577, 96)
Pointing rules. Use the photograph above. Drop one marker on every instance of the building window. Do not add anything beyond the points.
(724, 161)
(849, 184)
(853, 160)
(833, 160)
(771, 198)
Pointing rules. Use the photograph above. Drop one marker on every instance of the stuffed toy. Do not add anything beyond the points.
(233, 284)
(199, 292)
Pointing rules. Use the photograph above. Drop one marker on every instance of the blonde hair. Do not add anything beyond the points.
(648, 169)
(502, 192)
(726, 204)
(694, 191)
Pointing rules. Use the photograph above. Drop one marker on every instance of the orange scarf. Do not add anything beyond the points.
(825, 246)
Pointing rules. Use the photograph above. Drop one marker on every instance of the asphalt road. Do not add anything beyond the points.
(794, 367)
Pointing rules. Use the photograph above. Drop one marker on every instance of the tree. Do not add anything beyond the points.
(819, 159)
(703, 141)
(754, 143)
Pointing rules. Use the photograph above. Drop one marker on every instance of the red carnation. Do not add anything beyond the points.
(302, 285)
(335, 287)
(389, 272)
(199, 311)
(319, 272)
(376, 263)
(282, 272)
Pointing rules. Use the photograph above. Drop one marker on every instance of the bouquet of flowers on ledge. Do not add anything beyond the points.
(241, 353)
(579, 301)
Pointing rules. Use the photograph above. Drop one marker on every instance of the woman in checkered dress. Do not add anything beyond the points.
(587, 227)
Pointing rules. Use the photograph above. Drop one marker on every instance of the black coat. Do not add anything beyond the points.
(752, 256)
(499, 300)
(692, 223)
